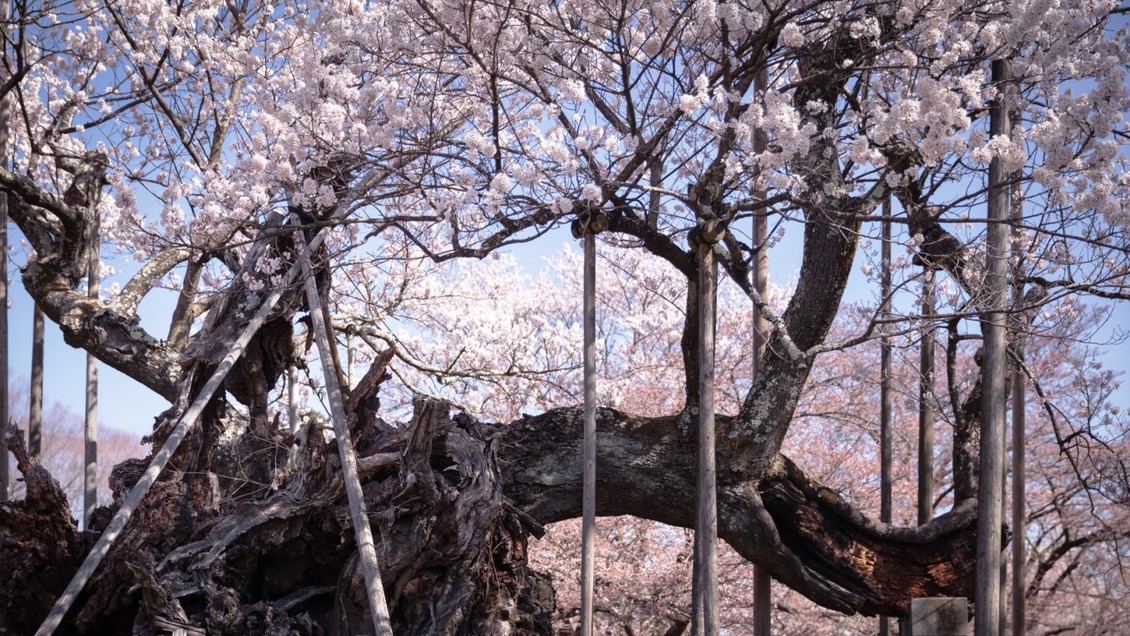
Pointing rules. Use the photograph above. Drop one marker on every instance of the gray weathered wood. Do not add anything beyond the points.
(885, 383)
(588, 504)
(705, 616)
(349, 360)
(1019, 428)
(939, 616)
(926, 401)
(762, 602)
(35, 390)
(292, 397)
(762, 584)
(1019, 525)
(90, 418)
(1002, 569)
(993, 369)
(363, 532)
(4, 415)
(161, 458)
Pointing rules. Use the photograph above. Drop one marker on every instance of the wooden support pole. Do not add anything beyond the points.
(4, 414)
(161, 458)
(885, 398)
(762, 584)
(1019, 427)
(1019, 521)
(35, 391)
(885, 409)
(349, 359)
(926, 402)
(90, 420)
(1002, 570)
(705, 616)
(363, 532)
(993, 369)
(588, 503)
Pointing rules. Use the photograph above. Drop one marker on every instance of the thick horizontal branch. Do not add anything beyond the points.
(57, 232)
(802, 533)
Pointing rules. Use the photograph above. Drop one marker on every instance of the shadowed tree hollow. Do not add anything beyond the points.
(210, 141)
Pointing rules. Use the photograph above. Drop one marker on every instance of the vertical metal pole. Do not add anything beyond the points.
(1018, 504)
(4, 415)
(90, 430)
(363, 533)
(588, 504)
(1018, 432)
(706, 525)
(993, 369)
(762, 584)
(1002, 580)
(35, 392)
(926, 402)
(885, 385)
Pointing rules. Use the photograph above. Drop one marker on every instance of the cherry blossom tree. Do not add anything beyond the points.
(211, 140)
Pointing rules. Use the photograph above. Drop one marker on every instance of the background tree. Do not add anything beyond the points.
(62, 452)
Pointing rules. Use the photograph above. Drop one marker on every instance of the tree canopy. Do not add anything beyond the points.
(422, 134)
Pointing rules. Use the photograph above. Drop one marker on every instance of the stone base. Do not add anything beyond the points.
(940, 616)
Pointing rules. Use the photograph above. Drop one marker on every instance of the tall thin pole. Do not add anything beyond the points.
(292, 397)
(35, 391)
(993, 368)
(925, 402)
(1018, 431)
(90, 430)
(4, 416)
(363, 533)
(885, 385)
(705, 616)
(1018, 503)
(1002, 571)
(588, 504)
(762, 584)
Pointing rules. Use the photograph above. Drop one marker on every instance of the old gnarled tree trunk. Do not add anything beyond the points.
(249, 534)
